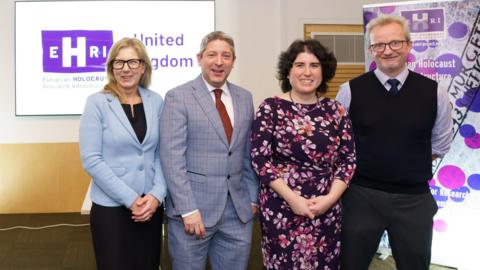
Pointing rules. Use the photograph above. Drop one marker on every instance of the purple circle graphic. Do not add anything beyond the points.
(470, 100)
(368, 16)
(372, 66)
(457, 30)
(425, 66)
(439, 194)
(451, 177)
(440, 225)
(459, 194)
(473, 181)
(433, 43)
(411, 58)
(467, 131)
(473, 142)
(420, 45)
(387, 9)
(431, 182)
(448, 64)
(475, 107)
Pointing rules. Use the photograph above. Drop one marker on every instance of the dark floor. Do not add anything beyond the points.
(70, 248)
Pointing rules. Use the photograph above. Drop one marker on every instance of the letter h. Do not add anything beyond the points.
(420, 23)
(80, 52)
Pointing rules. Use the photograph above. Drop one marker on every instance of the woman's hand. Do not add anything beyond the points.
(319, 205)
(300, 206)
(144, 207)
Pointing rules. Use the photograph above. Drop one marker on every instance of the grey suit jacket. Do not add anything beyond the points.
(199, 165)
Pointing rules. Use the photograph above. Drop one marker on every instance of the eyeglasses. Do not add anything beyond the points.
(131, 63)
(394, 45)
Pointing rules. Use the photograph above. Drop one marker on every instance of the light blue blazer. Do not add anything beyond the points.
(121, 167)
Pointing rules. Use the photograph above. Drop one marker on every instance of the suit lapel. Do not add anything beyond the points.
(204, 99)
(117, 109)
(236, 112)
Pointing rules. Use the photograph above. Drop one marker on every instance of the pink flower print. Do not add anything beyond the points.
(284, 148)
(262, 197)
(283, 241)
(304, 125)
(346, 136)
(267, 213)
(322, 244)
(307, 146)
(265, 149)
(336, 251)
(306, 177)
(305, 243)
(280, 221)
(264, 127)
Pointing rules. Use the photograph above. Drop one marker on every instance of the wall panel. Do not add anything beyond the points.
(41, 178)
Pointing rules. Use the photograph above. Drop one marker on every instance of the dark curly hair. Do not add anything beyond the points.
(286, 59)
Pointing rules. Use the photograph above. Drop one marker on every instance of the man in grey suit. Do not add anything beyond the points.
(212, 191)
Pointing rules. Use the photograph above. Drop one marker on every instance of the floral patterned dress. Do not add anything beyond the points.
(307, 146)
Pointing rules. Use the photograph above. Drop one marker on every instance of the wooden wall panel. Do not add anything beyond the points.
(41, 178)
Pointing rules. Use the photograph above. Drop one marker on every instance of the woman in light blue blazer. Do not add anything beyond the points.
(119, 148)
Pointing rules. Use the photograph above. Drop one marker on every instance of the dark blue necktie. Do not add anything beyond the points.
(394, 86)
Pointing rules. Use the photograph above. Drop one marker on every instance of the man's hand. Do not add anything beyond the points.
(193, 224)
(254, 208)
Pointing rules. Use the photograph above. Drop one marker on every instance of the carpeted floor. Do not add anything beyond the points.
(70, 248)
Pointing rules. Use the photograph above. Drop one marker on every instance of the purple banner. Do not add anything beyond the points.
(75, 51)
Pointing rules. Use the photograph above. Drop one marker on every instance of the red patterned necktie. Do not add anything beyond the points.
(222, 111)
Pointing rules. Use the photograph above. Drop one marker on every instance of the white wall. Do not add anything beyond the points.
(261, 29)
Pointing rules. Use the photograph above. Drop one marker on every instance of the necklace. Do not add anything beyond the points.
(301, 109)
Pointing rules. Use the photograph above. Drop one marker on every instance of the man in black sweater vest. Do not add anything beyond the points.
(401, 122)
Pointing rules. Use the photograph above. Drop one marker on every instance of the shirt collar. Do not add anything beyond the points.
(224, 87)
(382, 77)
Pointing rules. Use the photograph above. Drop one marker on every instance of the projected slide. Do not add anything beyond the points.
(61, 48)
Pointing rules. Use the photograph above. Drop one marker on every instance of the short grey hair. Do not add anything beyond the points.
(217, 35)
(388, 19)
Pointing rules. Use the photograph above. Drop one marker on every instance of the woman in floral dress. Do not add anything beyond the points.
(303, 153)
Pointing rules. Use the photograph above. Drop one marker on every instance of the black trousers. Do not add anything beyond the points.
(407, 218)
(122, 244)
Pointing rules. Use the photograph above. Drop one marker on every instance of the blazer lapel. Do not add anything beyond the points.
(204, 99)
(148, 109)
(117, 109)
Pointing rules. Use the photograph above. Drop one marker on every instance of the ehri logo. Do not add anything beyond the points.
(425, 20)
(75, 51)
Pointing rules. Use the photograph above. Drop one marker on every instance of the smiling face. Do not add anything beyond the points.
(390, 62)
(128, 79)
(216, 62)
(306, 74)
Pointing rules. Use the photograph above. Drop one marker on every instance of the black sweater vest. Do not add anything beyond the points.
(393, 133)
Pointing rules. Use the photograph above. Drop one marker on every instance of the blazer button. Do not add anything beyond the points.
(229, 153)
(228, 176)
(140, 168)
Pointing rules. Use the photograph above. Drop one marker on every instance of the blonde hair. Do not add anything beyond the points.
(138, 46)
